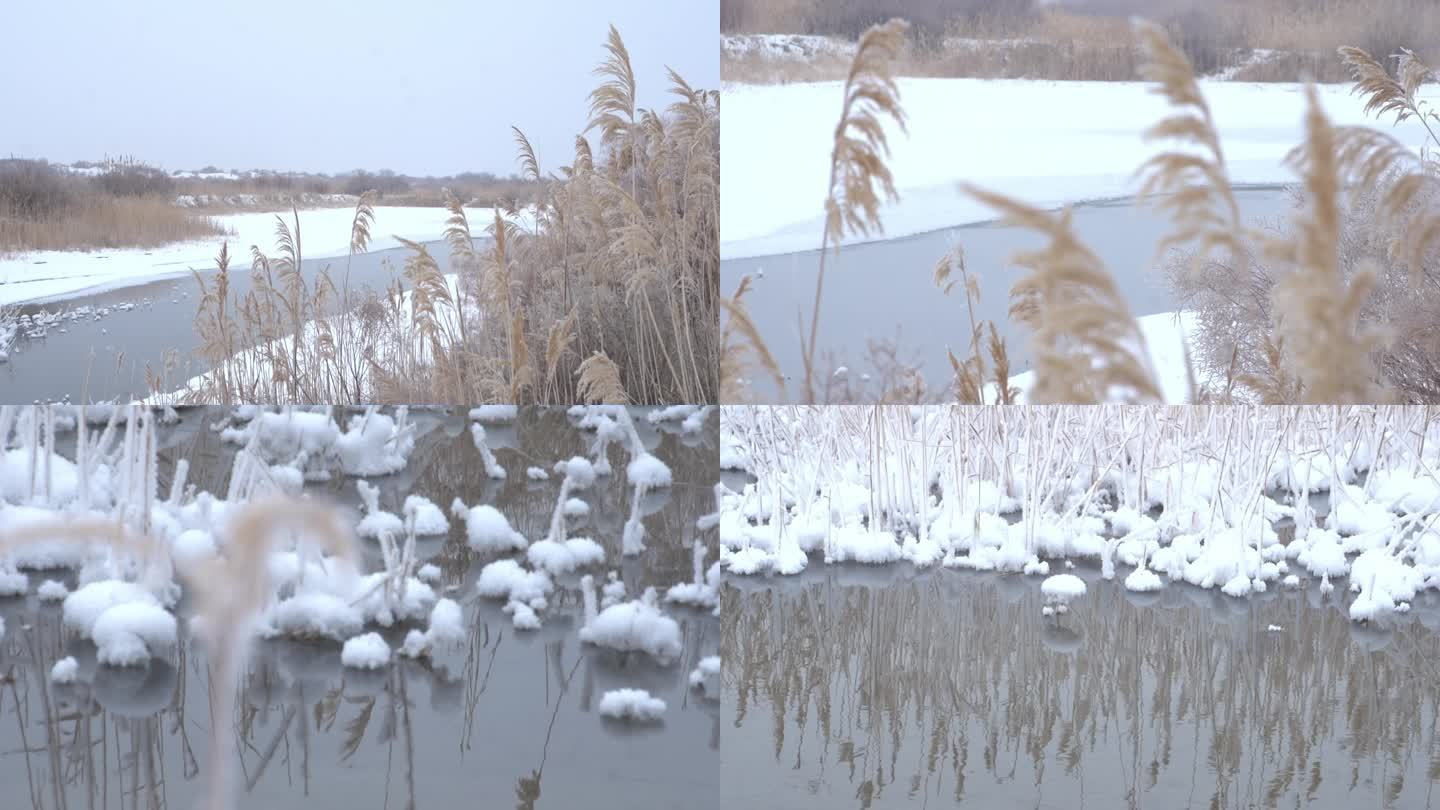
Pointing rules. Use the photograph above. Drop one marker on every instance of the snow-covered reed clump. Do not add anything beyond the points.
(637, 625)
(703, 590)
(150, 562)
(1236, 499)
(365, 652)
(635, 705)
(317, 443)
(706, 676)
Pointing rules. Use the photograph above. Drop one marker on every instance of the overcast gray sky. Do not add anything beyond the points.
(418, 86)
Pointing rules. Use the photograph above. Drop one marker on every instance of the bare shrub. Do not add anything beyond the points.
(1233, 299)
(384, 182)
(128, 177)
(33, 189)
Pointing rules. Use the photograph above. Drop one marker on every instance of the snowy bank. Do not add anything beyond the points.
(1048, 143)
(53, 275)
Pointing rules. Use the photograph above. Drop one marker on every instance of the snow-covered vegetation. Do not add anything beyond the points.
(144, 548)
(1236, 499)
(634, 705)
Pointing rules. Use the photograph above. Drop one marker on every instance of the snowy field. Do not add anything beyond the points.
(438, 608)
(325, 232)
(1237, 500)
(1049, 143)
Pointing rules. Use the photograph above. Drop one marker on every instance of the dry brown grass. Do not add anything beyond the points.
(601, 285)
(276, 192)
(988, 39)
(859, 178)
(1360, 260)
(972, 374)
(1086, 345)
(102, 222)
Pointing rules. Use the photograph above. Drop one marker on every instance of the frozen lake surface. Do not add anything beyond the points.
(102, 342)
(885, 290)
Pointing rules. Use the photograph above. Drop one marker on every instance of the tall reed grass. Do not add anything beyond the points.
(1320, 335)
(602, 288)
(45, 208)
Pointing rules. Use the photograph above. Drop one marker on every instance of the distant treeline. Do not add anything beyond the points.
(1209, 31)
(26, 182)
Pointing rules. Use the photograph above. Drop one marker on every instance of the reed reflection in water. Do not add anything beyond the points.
(881, 688)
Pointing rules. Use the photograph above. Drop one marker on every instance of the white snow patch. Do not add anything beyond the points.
(487, 530)
(635, 705)
(368, 651)
(65, 670)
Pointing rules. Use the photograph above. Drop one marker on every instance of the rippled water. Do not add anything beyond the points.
(887, 688)
(508, 720)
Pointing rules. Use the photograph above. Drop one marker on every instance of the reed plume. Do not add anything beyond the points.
(1370, 158)
(1193, 186)
(612, 104)
(742, 344)
(361, 222)
(1317, 308)
(600, 381)
(859, 177)
(1087, 347)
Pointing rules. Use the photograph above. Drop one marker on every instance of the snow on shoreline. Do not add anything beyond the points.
(1046, 142)
(51, 275)
(1170, 495)
(253, 364)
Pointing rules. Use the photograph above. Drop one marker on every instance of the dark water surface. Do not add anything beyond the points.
(853, 687)
(106, 358)
(885, 290)
(507, 721)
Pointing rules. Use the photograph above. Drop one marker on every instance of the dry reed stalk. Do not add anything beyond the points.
(600, 381)
(1317, 308)
(557, 346)
(970, 374)
(739, 338)
(858, 174)
(230, 590)
(1193, 185)
(1087, 346)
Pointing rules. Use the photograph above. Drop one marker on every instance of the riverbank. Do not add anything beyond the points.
(1045, 142)
(48, 276)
